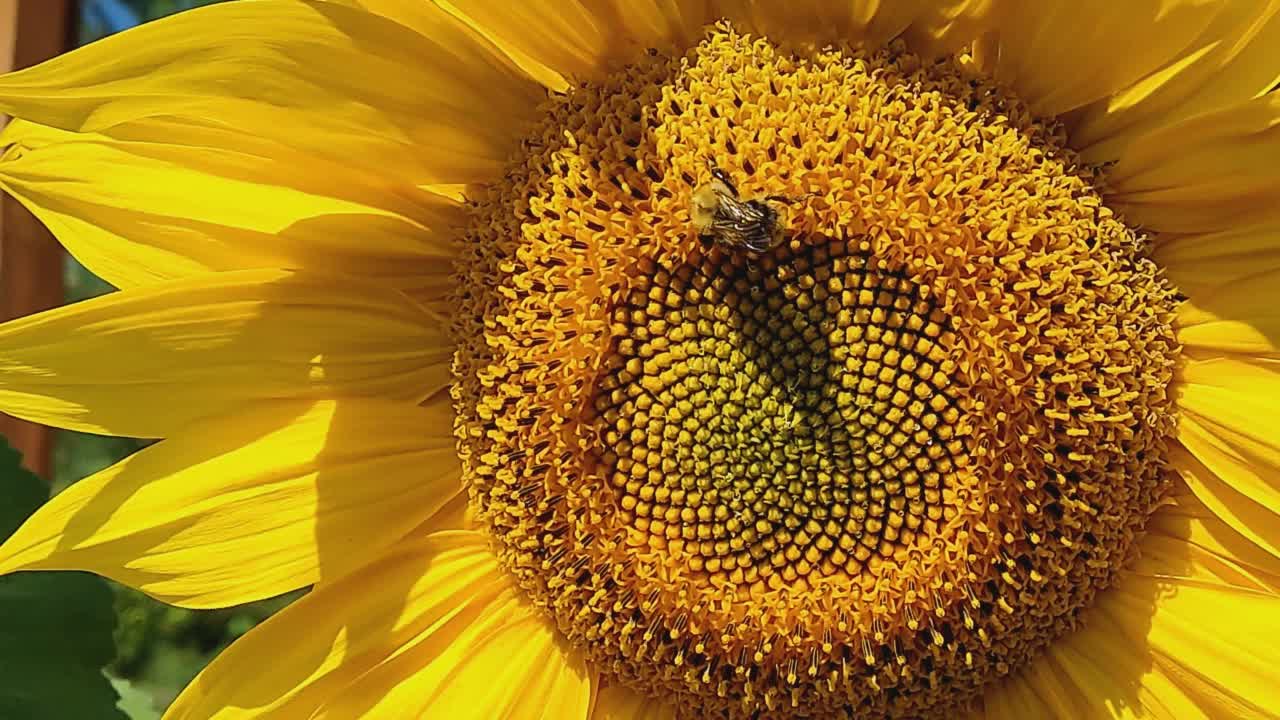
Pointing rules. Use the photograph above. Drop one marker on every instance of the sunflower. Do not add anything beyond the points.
(417, 298)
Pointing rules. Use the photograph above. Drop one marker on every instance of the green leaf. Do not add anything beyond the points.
(55, 628)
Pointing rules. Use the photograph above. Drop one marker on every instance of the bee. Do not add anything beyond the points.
(720, 214)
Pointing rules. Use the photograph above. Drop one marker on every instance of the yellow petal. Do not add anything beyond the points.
(433, 630)
(1235, 59)
(1243, 317)
(946, 27)
(560, 42)
(277, 496)
(1185, 634)
(452, 677)
(1205, 262)
(1227, 425)
(1232, 474)
(1189, 528)
(1213, 172)
(1059, 55)
(430, 18)
(146, 362)
(869, 24)
(930, 27)
(618, 703)
(138, 211)
(456, 514)
(563, 42)
(343, 83)
(1214, 642)
(1088, 674)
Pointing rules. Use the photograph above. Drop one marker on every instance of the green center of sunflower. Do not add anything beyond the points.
(865, 472)
(779, 419)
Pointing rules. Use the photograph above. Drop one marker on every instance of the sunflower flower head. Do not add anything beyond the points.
(909, 445)
(694, 360)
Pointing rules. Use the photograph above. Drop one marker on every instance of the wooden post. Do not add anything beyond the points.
(31, 261)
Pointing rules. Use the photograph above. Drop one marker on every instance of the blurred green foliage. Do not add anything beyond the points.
(57, 630)
(158, 648)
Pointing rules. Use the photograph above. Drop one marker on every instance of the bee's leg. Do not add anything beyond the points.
(761, 242)
(789, 199)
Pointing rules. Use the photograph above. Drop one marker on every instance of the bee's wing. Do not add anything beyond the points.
(748, 225)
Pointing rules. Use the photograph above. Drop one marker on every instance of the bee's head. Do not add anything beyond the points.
(721, 177)
(707, 199)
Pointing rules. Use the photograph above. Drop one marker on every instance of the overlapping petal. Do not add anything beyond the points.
(1236, 58)
(1116, 73)
(1213, 172)
(137, 208)
(1203, 263)
(1242, 317)
(1187, 633)
(561, 43)
(148, 361)
(444, 109)
(946, 27)
(869, 23)
(1188, 537)
(583, 39)
(1063, 54)
(1232, 459)
(432, 630)
(276, 496)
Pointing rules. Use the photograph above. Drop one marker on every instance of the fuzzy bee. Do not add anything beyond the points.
(720, 214)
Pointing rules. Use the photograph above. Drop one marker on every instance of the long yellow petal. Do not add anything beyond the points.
(1253, 511)
(1243, 317)
(1232, 453)
(339, 82)
(947, 26)
(1187, 633)
(433, 630)
(870, 23)
(138, 211)
(1084, 676)
(277, 496)
(456, 514)
(452, 678)
(580, 39)
(1209, 631)
(1233, 474)
(146, 362)
(1059, 55)
(1189, 528)
(1089, 674)
(618, 703)
(1213, 172)
(931, 27)
(1235, 59)
(1206, 262)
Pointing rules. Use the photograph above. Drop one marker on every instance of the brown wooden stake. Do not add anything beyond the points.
(31, 261)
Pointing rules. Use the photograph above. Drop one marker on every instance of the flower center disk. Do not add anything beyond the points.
(766, 423)
(866, 472)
